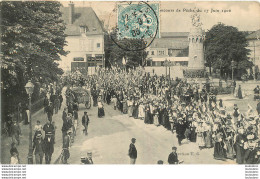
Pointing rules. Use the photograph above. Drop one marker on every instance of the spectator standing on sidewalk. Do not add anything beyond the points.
(132, 151)
(38, 148)
(37, 129)
(45, 103)
(16, 132)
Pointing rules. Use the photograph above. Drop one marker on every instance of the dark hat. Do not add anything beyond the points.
(85, 112)
(38, 135)
(133, 139)
(174, 148)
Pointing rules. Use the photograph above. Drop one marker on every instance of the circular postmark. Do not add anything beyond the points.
(138, 22)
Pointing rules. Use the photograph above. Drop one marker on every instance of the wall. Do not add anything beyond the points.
(254, 46)
(79, 46)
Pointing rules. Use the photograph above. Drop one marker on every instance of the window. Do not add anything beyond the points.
(162, 63)
(152, 52)
(161, 52)
(147, 52)
(98, 45)
(76, 59)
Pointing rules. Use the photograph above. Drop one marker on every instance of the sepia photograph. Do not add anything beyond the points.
(130, 82)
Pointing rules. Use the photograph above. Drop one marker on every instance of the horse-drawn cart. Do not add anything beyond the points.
(79, 95)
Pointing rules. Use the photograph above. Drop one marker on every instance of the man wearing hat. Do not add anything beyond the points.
(85, 121)
(65, 147)
(173, 156)
(132, 151)
(38, 148)
(49, 147)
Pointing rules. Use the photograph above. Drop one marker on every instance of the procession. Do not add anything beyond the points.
(82, 93)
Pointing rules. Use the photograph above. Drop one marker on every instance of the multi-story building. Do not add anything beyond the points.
(254, 45)
(167, 47)
(85, 39)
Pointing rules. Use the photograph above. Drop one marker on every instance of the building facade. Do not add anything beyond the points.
(254, 46)
(169, 45)
(85, 39)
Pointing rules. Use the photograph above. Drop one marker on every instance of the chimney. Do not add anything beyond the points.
(71, 12)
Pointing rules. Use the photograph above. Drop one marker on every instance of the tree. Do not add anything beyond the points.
(133, 50)
(224, 44)
(32, 40)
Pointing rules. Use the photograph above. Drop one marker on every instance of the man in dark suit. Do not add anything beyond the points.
(85, 121)
(173, 156)
(49, 147)
(132, 151)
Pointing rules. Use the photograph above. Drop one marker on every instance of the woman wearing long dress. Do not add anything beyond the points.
(239, 146)
(229, 141)
(135, 109)
(101, 111)
(147, 114)
(200, 136)
(124, 106)
(141, 113)
(208, 135)
(193, 133)
(239, 92)
(156, 119)
(219, 151)
(130, 107)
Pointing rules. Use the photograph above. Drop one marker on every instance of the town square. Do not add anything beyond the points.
(130, 82)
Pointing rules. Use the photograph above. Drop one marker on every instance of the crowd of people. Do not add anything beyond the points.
(189, 109)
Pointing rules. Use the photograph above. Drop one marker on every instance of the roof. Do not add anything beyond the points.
(83, 16)
(170, 43)
(254, 35)
(174, 34)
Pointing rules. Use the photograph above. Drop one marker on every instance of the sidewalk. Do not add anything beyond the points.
(23, 148)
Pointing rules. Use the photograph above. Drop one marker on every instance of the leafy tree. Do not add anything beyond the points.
(32, 40)
(133, 50)
(224, 44)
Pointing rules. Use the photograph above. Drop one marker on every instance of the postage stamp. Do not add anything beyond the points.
(138, 21)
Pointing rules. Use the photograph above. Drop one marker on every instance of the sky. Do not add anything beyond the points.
(245, 15)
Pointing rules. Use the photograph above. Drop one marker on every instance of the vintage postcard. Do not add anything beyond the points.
(130, 82)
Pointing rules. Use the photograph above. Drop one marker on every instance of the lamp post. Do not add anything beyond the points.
(169, 63)
(232, 67)
(29, 90)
